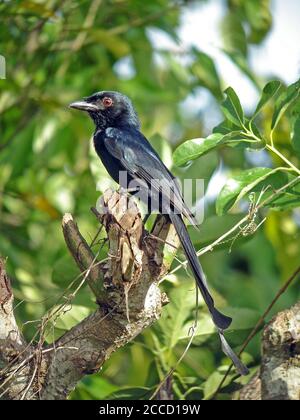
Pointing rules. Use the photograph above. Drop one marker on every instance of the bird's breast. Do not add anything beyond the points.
(112, 165)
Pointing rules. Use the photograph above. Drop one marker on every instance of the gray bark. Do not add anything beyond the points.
(280, 371)
(279, 375)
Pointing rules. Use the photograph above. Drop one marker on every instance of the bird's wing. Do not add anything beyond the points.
(138, 157)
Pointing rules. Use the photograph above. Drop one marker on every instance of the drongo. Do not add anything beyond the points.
(122, 148)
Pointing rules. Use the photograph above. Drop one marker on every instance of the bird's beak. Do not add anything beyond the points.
(84, 106)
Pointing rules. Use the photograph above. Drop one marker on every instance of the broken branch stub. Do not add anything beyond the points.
(136, 262)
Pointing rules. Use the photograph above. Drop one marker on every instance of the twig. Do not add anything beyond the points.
(281, 156)
(83, 256)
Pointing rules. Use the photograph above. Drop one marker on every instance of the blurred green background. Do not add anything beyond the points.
(174, 59)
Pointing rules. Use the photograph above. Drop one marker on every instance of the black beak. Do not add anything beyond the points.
(84, 106)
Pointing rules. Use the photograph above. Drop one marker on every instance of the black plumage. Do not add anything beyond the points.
(122, 147)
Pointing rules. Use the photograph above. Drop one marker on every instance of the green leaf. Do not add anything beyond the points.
(65, 272)
(286, 98)
(93, 387)
(213, 382)
(246, 182)
(260, 19)
(178, 72)
(205, 70)
(133, 393)
(115, 44)
(295, 135)
(225, 133)
(268, 92)
(226, 127)
(192, 149)
(69, 319)
(232, 108)
(242, 318)
(18, 155)
(234, 36)
(289, 199)
(174, 318)
(205, 327)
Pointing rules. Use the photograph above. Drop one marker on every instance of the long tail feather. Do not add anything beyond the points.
(221, 321)
(239, 365)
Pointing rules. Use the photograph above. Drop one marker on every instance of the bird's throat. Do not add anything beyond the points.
(99, 120)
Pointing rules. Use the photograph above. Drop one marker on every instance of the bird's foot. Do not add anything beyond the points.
(127, 191)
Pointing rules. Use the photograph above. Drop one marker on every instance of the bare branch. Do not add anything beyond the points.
(280, 370)
(12, 344)
(279, 375)
(83, 256)
(130, 298)
(8, 326)
(251, 391)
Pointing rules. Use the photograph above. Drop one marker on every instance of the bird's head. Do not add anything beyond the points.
(109, 109)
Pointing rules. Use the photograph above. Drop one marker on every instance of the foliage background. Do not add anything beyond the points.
(59, 51)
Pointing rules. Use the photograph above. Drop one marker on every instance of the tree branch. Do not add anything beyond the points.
(280, 370)
(83, 256)
(12, 343)
(126, 289)
(9, 331)
(129, 294)
(279, 375)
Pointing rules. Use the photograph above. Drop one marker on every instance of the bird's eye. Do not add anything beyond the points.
(107, 102)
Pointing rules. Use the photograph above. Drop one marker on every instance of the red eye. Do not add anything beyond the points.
(107, 102)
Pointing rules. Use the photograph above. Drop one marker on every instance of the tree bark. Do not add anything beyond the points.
(125, 287)
(279, 375)
(12, 344)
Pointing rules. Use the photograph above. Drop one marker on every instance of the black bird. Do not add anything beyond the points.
(122, 147)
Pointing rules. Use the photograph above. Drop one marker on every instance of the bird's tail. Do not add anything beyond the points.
(221, 321)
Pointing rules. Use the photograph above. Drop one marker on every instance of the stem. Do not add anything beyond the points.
(249, 133)
(270, 147)
(271, 139)
(274, 150)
